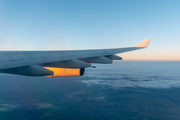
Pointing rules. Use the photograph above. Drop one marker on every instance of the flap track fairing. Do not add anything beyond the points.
(114, 57)
(102, 60)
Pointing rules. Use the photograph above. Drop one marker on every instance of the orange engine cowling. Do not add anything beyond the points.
(65, 72)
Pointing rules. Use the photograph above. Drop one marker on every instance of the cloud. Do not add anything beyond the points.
(97, 98)
(144, 82)
(72, 96)
(7, 107)
(157, 75)
(80, 96)
(45, 105)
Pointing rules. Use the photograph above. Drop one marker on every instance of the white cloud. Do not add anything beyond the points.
(157, 84)
(7, 107)
(97, 98)
(72, 96)
(45, 105)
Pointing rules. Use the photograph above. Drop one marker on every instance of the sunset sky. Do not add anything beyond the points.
(92, 24)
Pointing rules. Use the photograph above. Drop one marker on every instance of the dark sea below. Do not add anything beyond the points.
(124, 90)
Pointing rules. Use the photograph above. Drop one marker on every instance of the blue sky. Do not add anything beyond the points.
(92, 24)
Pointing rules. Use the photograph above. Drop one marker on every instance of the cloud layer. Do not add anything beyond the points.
(135, 74)
(4, 107)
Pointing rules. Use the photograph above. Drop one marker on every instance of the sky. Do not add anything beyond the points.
(92, 24)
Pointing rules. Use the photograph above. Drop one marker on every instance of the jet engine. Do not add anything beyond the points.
(65, 72)
(37, 70)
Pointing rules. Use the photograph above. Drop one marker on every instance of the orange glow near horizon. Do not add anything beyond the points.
(63, 72)
(148, 56)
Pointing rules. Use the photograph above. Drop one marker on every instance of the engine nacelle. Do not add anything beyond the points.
(65, 72)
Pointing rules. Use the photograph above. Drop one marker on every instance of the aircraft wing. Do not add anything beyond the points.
(40, 60)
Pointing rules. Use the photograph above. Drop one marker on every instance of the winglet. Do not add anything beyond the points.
(144, 44)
